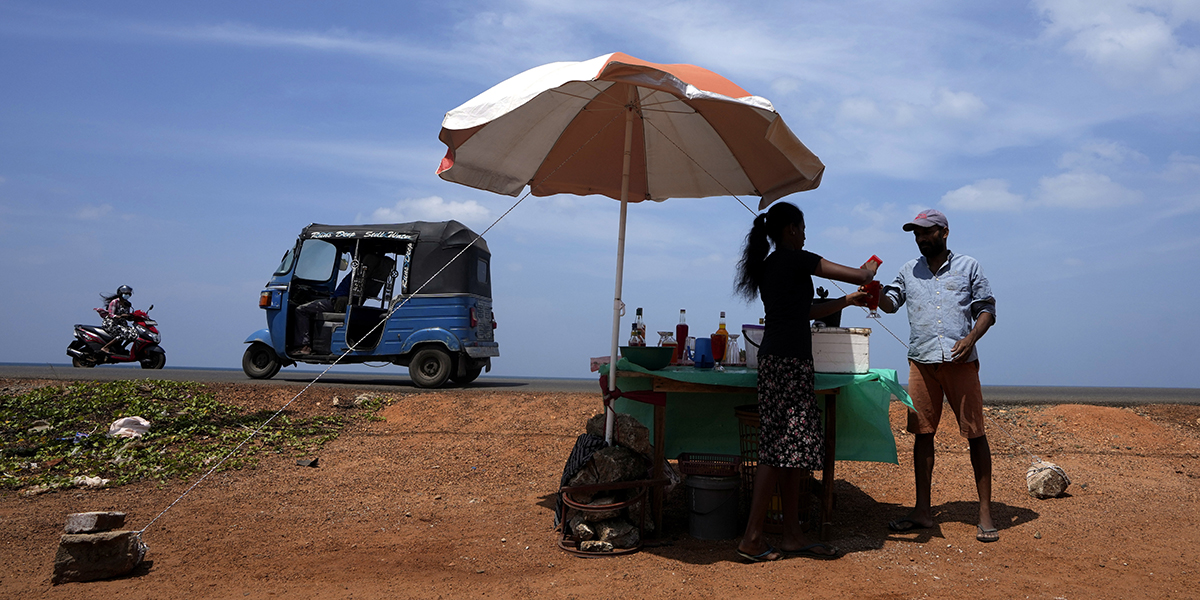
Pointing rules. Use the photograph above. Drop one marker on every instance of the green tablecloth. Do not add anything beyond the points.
(705, 422)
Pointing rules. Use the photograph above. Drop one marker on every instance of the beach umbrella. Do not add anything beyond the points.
(628, 129)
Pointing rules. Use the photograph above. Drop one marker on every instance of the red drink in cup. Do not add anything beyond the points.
(872, 289)
(719, 343)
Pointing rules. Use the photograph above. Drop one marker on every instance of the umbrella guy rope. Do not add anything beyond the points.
(353, 348)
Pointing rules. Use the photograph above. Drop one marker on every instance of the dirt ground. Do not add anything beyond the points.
(451, 496)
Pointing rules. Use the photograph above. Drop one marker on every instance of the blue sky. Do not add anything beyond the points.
(180, 147)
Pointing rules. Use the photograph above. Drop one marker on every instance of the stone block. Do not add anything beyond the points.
(629, 432)
(92, 556)
(1046, 480)
(93, 522)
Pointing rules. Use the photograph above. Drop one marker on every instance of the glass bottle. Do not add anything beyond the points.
(633, 335)
(641, 328)
(681, 335)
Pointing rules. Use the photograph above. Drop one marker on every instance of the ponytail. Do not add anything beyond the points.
(764, 232)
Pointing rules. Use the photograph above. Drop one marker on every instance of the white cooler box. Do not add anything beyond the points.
(841, 349)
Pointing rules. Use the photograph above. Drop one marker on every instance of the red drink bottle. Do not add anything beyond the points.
(681, 334)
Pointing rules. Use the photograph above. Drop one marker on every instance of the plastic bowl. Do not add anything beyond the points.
(651, 358)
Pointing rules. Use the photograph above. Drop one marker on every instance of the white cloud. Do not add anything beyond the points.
(983, 195)
(1100, 155)
(1130, 41)
(958, 105)
(93, 213)
(434, 208)
(1083, 189)
(1182, 167)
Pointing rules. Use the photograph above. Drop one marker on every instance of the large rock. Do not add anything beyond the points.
(93, 522)
(618, 532)
(1046, 480)
(609, 465)
(629, 432)
(92, 556)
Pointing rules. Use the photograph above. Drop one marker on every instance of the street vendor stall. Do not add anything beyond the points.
(695, 413)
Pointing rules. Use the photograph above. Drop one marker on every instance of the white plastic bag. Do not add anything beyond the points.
(128, 427)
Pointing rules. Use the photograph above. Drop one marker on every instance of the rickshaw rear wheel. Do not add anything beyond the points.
(430, 367)
(260, 361)
(468, 377)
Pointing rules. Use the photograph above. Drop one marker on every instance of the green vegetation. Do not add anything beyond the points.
(50, 436)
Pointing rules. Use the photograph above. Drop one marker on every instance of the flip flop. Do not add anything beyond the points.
(831, 552)
(987, 535)
(905, 524)
(765, 556)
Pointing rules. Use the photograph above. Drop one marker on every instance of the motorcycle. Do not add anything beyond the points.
(85, 351)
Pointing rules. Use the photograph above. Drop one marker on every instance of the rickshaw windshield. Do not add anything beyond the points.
(285, 264)
(317, 260)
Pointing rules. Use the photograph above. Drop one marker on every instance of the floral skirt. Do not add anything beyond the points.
(790, 433)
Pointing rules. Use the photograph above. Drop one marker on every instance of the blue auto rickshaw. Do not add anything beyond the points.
(419, 296)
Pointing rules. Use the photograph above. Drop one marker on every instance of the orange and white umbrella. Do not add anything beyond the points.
(628, 129)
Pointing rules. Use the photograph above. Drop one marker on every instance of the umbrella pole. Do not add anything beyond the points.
(609, 415)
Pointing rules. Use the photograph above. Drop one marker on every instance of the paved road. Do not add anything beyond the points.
(391, 380)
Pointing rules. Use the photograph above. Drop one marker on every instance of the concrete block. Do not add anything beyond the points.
(94, 522)
(92, 556)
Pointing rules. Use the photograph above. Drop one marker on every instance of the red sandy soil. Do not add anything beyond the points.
(451, 496)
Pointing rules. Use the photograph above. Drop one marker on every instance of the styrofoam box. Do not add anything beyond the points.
(841, 349)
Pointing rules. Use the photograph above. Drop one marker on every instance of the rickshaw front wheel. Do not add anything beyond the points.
(260, 361)
(430, 367)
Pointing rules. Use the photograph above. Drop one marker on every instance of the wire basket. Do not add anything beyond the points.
(710, 465)
(748, 425)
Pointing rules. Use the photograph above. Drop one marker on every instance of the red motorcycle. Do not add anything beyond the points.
(86, 350)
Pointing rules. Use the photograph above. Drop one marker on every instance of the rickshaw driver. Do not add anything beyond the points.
(307, 312)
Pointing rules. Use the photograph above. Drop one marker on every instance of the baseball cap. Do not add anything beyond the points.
(927, 218)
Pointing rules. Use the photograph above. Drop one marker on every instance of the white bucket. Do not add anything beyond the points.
(753, 334)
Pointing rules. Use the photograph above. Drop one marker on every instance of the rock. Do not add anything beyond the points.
(595, 546)
(610, 465)
(592, 516)
(579, 526)
(39, 426)
(93, 522)
(618, 532)
(1046, 480)
(629, 432)
(92, 556)
(308, 462)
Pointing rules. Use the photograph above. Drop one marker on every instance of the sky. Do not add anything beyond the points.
(179, 148)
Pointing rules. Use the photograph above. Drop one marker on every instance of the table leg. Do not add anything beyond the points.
(828, 473)
(660, 445)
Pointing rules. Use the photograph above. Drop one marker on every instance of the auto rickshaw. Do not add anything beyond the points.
(420, 296)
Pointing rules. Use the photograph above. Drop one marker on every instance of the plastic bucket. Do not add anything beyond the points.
(712, 507)
(753, 335)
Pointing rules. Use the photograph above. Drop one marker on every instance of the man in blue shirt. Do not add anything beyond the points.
(950, 306)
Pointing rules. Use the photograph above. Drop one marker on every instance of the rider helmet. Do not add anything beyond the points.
(125, 292)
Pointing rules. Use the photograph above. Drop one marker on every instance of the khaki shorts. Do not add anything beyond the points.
(958, 383)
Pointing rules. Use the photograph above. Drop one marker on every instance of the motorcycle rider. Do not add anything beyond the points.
(118, 310)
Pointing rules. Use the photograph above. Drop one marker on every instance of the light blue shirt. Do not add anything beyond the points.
(942, 307)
